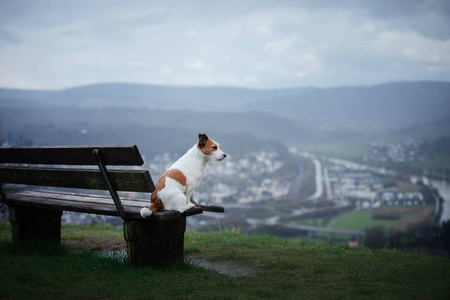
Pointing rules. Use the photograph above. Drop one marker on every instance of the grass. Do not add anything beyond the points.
(436, 164)
(359, 220)
(362, 219)
(93, 237)
(407, 187)
(283, 268)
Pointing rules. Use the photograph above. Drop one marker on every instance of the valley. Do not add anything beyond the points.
(264, 184)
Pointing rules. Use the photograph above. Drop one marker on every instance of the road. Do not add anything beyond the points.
(444, 190)
(319, 180)
(323, 229)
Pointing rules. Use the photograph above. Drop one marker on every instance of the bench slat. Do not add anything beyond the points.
(90, 204)
(86, 198)
(124, 180)
(71, 155)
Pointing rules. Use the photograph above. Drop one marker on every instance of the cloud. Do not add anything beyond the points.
(9, 37)
(278, 47)
(413, 48)
(195, 65)
(258, 44)
(250, 79)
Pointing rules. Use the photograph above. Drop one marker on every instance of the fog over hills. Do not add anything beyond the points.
(152, 96)
(398, 104)
(129, 113)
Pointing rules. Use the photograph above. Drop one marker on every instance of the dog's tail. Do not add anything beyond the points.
(145, 212)
(157, 205)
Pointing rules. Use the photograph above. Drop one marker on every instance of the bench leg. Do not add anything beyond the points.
(28, 223)
(154, 242)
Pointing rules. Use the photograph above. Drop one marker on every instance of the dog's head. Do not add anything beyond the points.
(210, 148)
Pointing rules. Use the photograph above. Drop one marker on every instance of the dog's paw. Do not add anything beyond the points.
(145, 212)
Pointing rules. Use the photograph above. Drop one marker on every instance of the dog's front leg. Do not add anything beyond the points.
(193, 200)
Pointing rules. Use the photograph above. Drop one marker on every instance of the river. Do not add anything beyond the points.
(442, 185)
(444, 189)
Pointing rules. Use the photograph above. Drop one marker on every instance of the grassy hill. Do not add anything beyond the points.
(397, 104)
(286, 268)
(434, 139)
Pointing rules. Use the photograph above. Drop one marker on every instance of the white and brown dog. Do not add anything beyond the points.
(175, 188)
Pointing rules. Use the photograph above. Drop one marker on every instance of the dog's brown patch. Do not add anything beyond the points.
(157, 204)
(174, 174)
(206, 145)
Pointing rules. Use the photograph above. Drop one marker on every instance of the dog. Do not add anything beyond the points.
(174, 190)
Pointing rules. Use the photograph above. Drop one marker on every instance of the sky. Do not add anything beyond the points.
(254, 44)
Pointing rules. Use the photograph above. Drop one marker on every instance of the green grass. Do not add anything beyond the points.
(93, 237)
(358, 220)
(407, 187)
(441, 161)
(283, 268)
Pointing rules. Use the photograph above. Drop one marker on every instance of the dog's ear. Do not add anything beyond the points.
(202, 139)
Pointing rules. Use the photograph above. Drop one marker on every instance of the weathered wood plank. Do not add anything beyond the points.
(29, 223)
(211, 208)
(90, 204)
(124, 180)
(71, 155)
(80, 198)
(109, 210)
(151, 242)
(128, 203)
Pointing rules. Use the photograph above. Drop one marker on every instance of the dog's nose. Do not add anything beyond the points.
(224, 155)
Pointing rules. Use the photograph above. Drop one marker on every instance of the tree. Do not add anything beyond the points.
(446, 236)
(375, 237)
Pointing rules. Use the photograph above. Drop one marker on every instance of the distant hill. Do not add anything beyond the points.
(108, 112)
(431, 131)
(150, 96)
(155, 130)
(397, 104)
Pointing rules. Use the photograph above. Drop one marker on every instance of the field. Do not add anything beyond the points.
(363, 219)
(286, 268)
(391, 218)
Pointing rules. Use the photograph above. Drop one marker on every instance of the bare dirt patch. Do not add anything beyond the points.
(225, 267)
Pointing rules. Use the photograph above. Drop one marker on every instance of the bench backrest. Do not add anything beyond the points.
(71, 155)
(78, 178)
(123, 180)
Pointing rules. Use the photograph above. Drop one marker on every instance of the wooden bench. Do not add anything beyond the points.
(37, 214)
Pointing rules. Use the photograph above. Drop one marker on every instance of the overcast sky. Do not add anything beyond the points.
(255, 44)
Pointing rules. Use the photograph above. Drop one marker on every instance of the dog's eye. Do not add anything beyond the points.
(214, 147)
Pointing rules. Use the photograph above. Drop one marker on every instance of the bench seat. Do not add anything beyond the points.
(93, 204)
